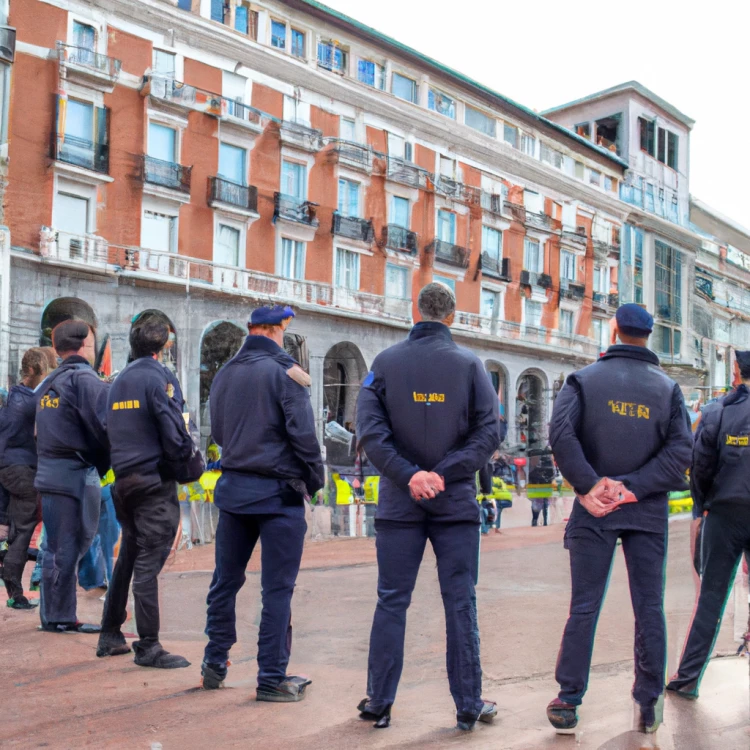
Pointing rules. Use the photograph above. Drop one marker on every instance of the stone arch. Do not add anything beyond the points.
(170, 354)
(531, 398)
(64, 308)
(499, 376)
(220, 342)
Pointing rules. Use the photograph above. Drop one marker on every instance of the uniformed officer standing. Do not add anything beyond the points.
(150, 447)
(17, 470)
(720, 484)
(73, 453)
(620, 421)
(262, 418)
(427, 416)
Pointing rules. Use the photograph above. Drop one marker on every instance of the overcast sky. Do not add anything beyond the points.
(549, 52)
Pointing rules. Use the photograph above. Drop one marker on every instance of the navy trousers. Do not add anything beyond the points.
(400, 547)
(70, 526)
(591, 557)
(282, 538)
(724, 536)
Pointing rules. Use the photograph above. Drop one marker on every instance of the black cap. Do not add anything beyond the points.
(633, 320)
(743, 358)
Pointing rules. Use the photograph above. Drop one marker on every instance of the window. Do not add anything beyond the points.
(648, 135)
(480, 121)
(601, 334)
(234, 89)
(84, 37)
(404, 88)
(533, 259)
(607, 183)
(292, 259)
(533, 313)
(601, 279)
(398, 147)
(551, 156)
(164, 63)
(232, 161)
(668, 282)
(227, 251)
(348, 198)
(579, 171)
(667, 341)
(71, 214)
(4, 101)
(450, 283)
(649, 203)
(490, 304)
(246, 21)
(661, 145)
(159, 232)
(567, 265)
(298, 43)
(348, 130)
(566, 322)
(77, 147)
(396, 282)
(278, 34)
(528, 144)
(583, 129)
(331, 57)
(371, 73)
(672, 150)
(162, 142)
(347, 269)
(441, 103)
(510, 135)
(533, 202)
(447, 226)
(448, 167)
(294, 180)
(400, 211)
(594, 177)
(492, 244)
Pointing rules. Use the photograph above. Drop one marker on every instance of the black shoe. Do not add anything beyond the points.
(153, 655)
(691, 695)
(112, 644)
(466, 722)
(651, 716)
(382, 720)
(290, 690)
(213, 675)
(21, 602)
(562, 716)
(70, 627)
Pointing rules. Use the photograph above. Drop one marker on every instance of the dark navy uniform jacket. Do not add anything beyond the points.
(623, 418)
(428, 404)
(720, 473)
(17, 443)
(146, 428)
(71, 418)
(263, 421)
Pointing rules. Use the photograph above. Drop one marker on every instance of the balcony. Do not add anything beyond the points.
(352, 227)
(289, 208)
(81, 153)
(604, 249)
(399, 238)
(541, 221)
(575, 237)
(532, 278)
(613, 299)
(455, 190)
(498, 268)
(297, 135)
(516, 210)
(601, 300)
(352, 155)
(89, 68)
(225, 194)
(406, 173)
(493, 202)
(243, 115)
(165, 174)
(447, 252)
(173, 92)
(570, 290)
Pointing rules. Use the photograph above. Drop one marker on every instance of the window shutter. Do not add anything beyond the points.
(101, 138)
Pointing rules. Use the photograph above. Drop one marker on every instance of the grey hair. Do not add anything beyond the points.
(436, 302)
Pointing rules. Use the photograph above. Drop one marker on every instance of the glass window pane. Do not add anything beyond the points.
(396, 282)
(298, 43)
(510, 135)
(404, 88)
(439, 102)
(450, 283)
(159, 232)
(71, 214)
(278, 34)
(79, 120)
(232, 163)
(294, 180)
(84, 36)
(164, 63)
(348, 129)
(447, 226)
(400, 212)
(227, 246)
(489, 303)
(531, 256)
(480, 121)
(240, 19)
(161, 142)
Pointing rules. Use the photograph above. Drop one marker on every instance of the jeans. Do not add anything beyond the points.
(95, 569)
(537, 507)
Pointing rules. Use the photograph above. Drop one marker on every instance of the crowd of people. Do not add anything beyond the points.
(74, 448)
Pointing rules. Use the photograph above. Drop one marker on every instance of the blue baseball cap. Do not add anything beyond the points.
(633, 320)
(270, 315)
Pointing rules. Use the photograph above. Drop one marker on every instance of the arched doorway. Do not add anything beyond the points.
(169, 355)
(531, 409)
(220, 342)
(344, 370)
(499, 378)
(64, 308)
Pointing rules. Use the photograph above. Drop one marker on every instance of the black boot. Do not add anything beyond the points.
(71, 627)
(562, 716)
(213, 675)
(382, 720)
(21, 602)
(153, 655)
(290, 690)
(112, 644)
(466, 722)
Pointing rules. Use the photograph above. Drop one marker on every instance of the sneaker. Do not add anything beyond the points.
(382, 720)
(213, 675)
(290, 690)
(466, 722)
(562, 716)
(112, 644)
(21, 602)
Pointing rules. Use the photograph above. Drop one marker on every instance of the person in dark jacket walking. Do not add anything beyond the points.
(619, 432)
(149, 440)
(427, 416)
(262, 418)
(720, 484)
(17, 471)
(73, 453)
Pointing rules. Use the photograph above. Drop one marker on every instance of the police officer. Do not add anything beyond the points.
(17, 470)
(73, 453)
(427, 416)
(720, 484)
(262, 418)
(620, 433)
(149, 443)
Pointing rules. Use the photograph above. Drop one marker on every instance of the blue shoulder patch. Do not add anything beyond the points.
(369, 380)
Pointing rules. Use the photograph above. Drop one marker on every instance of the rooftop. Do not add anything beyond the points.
(731, 223)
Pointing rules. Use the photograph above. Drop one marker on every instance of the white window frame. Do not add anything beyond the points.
(574, 261)
(357, 253)
(572, 314)
(499, 308)
(392, 212)
(300, 162)
(222, 219)
(527, 301)
(540, 263)
(280, 256)
(100, 27)
(407, 270)
(179, 61)
(410, 77)
(162, 210)
(358, 213)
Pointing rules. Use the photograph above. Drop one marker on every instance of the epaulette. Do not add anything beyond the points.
(298, 375)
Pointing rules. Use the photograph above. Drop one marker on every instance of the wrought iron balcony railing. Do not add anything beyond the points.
(538, 221)
(456, 190)
(499, 268)
(229, 193)
(301, 136)
(399, 238)
(613, 299)
(83, 57)
(292, 209)
(602, 247)
(577, 236)
(532, 278)
(571, 290)
(352, 227)
(492, 202)
(353, 155)
(81, 153)
(243, 112)
(447, 252)
(165, 174)
(516, 210)
(405, 172)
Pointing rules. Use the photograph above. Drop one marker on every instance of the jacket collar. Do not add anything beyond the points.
(261, 344)
(75, 359)
(626, 351)
(424, 329)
